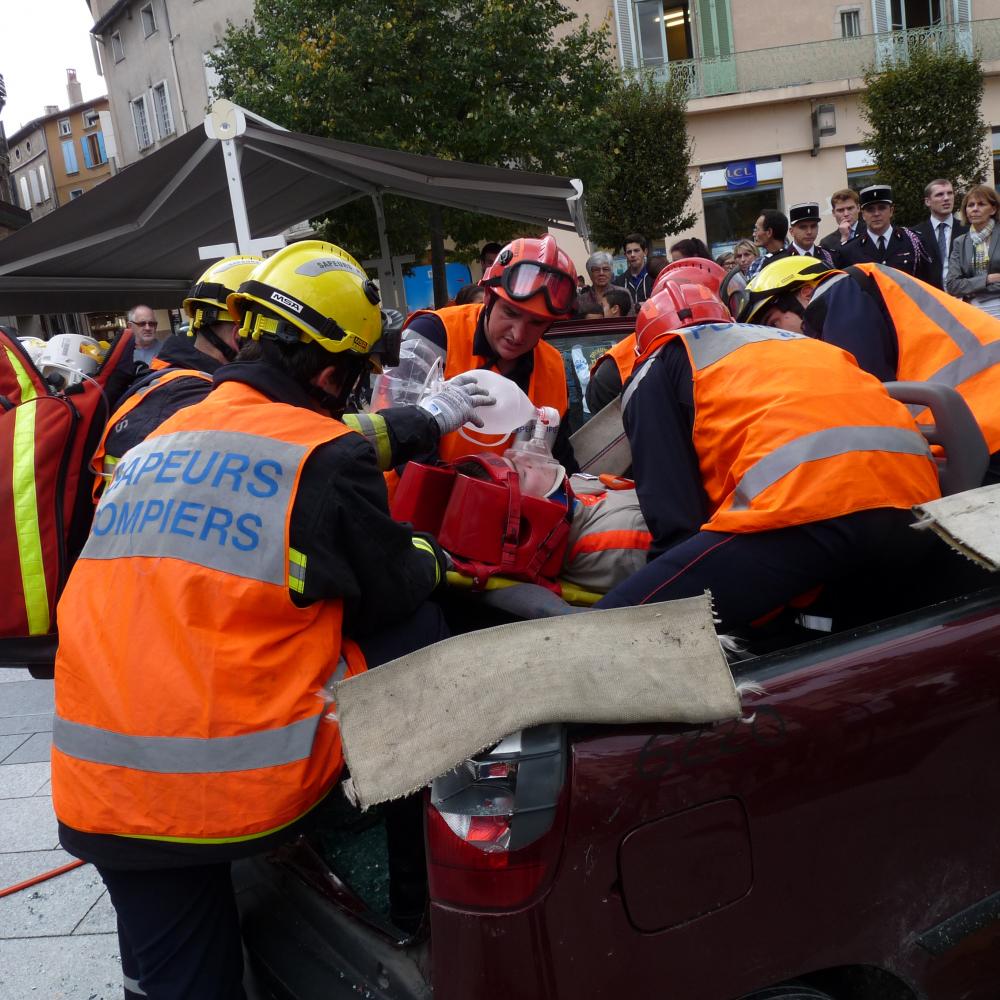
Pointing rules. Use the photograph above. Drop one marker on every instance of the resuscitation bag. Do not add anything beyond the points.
(480, 517)
(47, 436)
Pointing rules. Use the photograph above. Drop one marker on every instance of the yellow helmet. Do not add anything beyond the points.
(311, 291)
(206, 302)
(786, 275)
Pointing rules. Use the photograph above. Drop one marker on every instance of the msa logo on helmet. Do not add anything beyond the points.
(284, 300)
(323, 265)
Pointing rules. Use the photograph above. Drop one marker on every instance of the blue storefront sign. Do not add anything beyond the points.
(741, 175)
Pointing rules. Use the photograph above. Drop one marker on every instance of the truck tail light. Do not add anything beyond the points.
(495, 824)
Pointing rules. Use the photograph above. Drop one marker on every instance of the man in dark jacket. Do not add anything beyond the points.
(885, 243)
(636, 279)
(939, 231)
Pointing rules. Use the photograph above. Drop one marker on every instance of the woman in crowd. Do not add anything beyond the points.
(974, 264)
(745, 253)
(691, 247)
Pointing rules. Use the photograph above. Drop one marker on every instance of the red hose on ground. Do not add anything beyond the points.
(11, 889)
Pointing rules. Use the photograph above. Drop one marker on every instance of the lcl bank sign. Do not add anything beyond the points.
(741, 175)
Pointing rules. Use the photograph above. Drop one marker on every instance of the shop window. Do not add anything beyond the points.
(730, 215)
(76, 193)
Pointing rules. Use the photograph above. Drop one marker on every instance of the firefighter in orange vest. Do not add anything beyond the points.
(241, 560)
(897, 327)
(766, 462)
(531, 284)
(612, 370)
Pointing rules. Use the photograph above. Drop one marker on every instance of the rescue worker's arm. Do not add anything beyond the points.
(852, 320)
(605, 384)
(430, 329)
(397, 435)
(659, 419)
(352, 547)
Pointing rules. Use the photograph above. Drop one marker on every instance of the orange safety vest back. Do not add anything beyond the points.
(547, 386)
(103, 464)
(188, 681)
(788, 431)
(623, 355)
(943, 339)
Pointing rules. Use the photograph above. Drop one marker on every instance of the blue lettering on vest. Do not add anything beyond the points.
(252, 538)
(270, 486)
(171, 465)
(184, 514)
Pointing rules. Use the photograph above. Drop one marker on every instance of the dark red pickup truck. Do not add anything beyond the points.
(841, 840)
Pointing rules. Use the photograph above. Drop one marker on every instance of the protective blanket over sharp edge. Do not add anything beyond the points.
(969, 523)
(421, 715)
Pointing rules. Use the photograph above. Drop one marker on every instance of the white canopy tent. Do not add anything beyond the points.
(236, 185)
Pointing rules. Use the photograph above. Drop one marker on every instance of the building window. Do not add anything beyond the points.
(664, 30)
(76, 192)
(69, 157)
(140, 119)
(64, 127)
(850, 23)
(907, 14)
(17, 153)
(27, 145)
(148, 20)
(25, 194)
(91, 118)
(161, 107)
(117, 48)
(94, 153)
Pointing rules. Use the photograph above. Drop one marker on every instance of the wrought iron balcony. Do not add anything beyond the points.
(826, 61)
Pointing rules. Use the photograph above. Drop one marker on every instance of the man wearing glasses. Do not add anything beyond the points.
(143, 323)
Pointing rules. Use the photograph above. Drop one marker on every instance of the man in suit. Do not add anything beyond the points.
(884, 243)
(846, 208)
(939, 231)
(803, 227)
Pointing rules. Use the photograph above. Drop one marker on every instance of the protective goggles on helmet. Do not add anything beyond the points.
(525, 279)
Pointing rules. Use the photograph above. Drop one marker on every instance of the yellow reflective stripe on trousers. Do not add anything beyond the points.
(425, 546)
(296, 571)
(26, 527)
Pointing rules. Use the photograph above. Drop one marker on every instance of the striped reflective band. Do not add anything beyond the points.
(824, 444)
(26, 526)
(425, 546)
(714, 341)
(637, 376)
(132, 986)
(976, 357)
(296, 571)
(186, 755)
(373, 429)
(602, 541)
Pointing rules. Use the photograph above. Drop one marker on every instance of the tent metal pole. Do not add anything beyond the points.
(387, 279)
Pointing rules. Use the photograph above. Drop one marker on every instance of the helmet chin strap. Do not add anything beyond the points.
(217, 342)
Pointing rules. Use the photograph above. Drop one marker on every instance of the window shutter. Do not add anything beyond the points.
(962, 11)
(100, 147)
(881, 17)
(715, 28)
(69, 157)
(87, 158)
(962, 19)
(628, 50)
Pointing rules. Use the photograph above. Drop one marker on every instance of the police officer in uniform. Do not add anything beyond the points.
(884, 243)
(803, 227)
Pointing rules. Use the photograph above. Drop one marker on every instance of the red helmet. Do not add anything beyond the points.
(675, 307)
(692, 271)
(534, 275)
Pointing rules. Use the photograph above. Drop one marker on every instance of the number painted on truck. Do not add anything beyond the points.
(663, 751)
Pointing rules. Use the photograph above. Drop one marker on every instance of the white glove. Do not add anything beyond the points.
(455, 403)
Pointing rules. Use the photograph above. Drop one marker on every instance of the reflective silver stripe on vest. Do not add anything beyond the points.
(637, 377)
(186, 755)
(714, 341)
(214, 498)
(824, 444)
(132, 986)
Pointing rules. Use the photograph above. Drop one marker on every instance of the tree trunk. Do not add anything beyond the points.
(437, 256)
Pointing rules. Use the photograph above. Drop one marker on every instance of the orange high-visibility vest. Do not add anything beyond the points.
(103, 464)
(943, 339)
(187, 700)
(623, 355)
(547, 386)
(788, 430)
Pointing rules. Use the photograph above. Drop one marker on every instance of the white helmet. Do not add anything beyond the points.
(35, 346)
(68, 358)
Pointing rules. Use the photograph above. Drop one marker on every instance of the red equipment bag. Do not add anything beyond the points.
(46, 442)
(484, 522)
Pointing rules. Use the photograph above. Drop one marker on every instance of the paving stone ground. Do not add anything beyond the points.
(57, 939)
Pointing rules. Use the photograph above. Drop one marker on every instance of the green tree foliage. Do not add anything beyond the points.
(498, 82)
(642, 183)
(925, 121)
